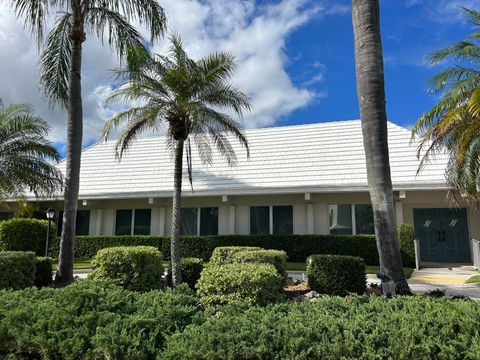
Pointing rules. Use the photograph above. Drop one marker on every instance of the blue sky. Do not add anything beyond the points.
(295, 58)
(410, 30)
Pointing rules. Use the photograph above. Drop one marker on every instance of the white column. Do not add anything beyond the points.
(310, 219)
(231, 220)
(399, 212)
(98, 222)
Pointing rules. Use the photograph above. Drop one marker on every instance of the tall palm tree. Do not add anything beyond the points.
(453, 124)
(27, 158)
(61, 63)
(187, 97)
(371, 97)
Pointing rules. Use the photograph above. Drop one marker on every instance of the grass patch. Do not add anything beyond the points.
(369, 269)
(473, 279)
(78, 263)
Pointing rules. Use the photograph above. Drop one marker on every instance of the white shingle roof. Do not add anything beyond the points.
(320, 157)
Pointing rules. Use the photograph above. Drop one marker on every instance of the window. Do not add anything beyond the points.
(140, 218)
(123, 222)
(82, 224)
(189, 221)
(143, 218)
(351, 219)
(199, 221)
(282, 220)
(364, 219)
(280, 223)
(340, 219)
(259, 220)
(209, 221)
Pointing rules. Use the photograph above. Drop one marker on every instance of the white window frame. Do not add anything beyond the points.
(132, 226)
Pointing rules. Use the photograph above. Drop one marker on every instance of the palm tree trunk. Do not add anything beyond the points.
(64, 273)
(371, 96)
(177, 215)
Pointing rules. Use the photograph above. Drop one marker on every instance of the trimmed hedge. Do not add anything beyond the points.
(297, 247)
(406, 236)
(43, 272)
(239, 285)
(191, 268)
(136, 268)
(88, 246)
(224, 254)
(17, 269)
(364, 328)
(25, 235)
(336, 274)
(92, 320)
(277, 258)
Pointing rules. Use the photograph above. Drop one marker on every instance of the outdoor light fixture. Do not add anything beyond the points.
(50, 215)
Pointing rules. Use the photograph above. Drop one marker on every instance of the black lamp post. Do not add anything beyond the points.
(50, 214)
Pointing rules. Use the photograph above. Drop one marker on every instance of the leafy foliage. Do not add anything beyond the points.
(239, 285)
(136, 268)
(25, 234)
(27, 158)
(406, 236)
(92, 320)
(43, 271)
(224, 254)
(277, 258)
(337, 328)
(17, 269)
(191, 269)
(453, 124)
(336, 274)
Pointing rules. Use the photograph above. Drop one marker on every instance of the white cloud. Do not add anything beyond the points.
(255, 32)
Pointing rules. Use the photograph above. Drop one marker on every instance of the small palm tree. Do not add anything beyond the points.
(453, 124)
(27, 158)
(187, 97)
(61, 63)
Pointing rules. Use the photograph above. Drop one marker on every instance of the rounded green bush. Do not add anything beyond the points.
(336, 274)
(277, 258)
(239, 284)
(17, 269)
(136, 268)
(43, 273)
(25, 235)
(223, 254)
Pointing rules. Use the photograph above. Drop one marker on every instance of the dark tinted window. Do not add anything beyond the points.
(123, 222)
(82, 226)
(209, 221)
(143, 218)
(340, 219)
(189, 222)
(282, 220)
(259, 220)
(364, 219)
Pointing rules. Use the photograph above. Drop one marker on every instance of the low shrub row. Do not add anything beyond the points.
(22, 269)
(337, 328)
(92, 320)
(336, 274)
(137, 268)
(297, 247)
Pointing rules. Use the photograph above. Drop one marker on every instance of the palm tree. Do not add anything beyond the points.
(453, 124)
(61, 62)
(27, 158)
(187, 97)
(371, 97)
